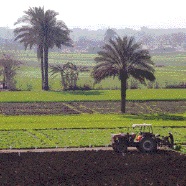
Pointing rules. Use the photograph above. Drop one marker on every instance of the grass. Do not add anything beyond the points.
(93, 95)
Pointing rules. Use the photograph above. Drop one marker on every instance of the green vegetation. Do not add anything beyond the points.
(93, 95)
(89, 130)
(69, 138)
(81, 121)
(170, 70)
(8, 68)
(75, 130)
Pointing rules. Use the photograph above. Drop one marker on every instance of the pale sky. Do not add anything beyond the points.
(94, 14)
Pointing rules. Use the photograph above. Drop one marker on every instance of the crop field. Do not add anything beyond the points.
(167, 59)
(92, 95)
(81, 129)
(77, 130)
(170, 70)
(55, 138)
(30, 79)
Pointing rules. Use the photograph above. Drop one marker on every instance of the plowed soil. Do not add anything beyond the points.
(132, 107)
(102, 167)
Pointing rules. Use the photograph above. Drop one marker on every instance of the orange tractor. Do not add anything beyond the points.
(145, 141)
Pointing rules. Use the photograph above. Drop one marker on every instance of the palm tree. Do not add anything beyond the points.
(43, 30)
(69, 74)
(123, 57)
(30, 33)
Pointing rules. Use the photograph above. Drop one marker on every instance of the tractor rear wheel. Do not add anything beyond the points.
(122, 146)
(148, 145)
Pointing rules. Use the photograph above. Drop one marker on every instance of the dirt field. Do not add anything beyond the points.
(103, 167)
(135, 107)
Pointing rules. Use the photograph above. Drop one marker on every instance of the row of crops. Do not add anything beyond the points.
(169, 59)
(92, 95)
(54, 138)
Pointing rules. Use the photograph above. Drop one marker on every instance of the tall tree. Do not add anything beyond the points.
(123, 57)
(8, 67)
(45, 31)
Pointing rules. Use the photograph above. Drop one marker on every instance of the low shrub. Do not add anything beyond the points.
(162, 117)
(29, 87)
(156, 85)
(180, 85)
(134, 84)
(84, 87)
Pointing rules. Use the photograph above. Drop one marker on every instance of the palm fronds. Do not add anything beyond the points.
(125, 56)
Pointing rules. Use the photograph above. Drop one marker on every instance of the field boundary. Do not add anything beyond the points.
(81, 100)
(91, 128)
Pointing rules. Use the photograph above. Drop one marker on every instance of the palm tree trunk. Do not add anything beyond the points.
(46, 87)
(42, 73)
(40, 56)
(63, 81)
(123, 92)
(4, 80)
(42, 68)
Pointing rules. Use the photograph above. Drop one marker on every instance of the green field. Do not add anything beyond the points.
(170, 70)
(70, 138)
(93, 95)
(75, 130)
(80, 121)
(86, 129)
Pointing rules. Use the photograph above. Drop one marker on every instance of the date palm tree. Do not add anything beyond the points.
(123, 57)
(43, 30)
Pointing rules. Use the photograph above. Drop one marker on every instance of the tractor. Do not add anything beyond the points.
(145, 141)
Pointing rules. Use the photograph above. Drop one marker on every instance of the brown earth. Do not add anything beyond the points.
(101, 167)
(132, 107)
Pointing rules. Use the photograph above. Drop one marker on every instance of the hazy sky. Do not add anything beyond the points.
(103, 13)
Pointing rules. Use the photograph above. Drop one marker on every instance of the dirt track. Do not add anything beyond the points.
(101, 167)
